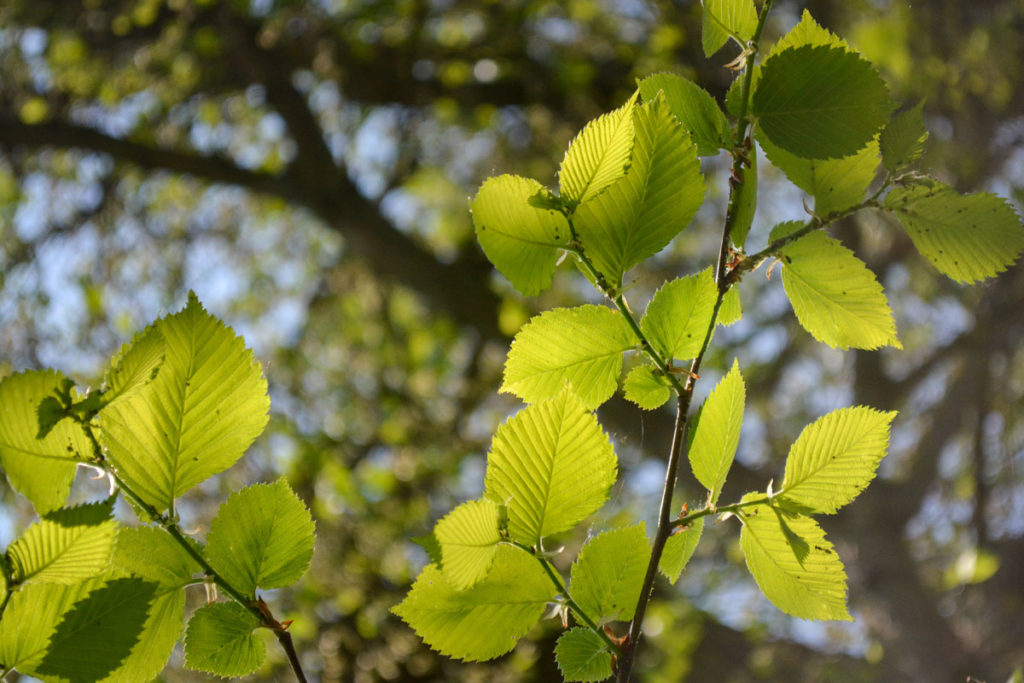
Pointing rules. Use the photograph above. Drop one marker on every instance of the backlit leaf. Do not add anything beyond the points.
(679, 548)
(835, 458)
(694, 107)
(485, 621)
(742, 216)
(582, 655)
(581, 345)
(646, 390)
(820, 102)
(30, 618)
(793, 563)
(679, 314)
(598, 156)
(607, 576)
(65, 546)
(469, 539)
(520, 237)
(552, 465)
(39, 469)
(220, 639)
(641, 213)
(207, 403)
(135, 365)
(967, 237)
(261, 537)
(834, 295)
(725, 18)
(717, 434)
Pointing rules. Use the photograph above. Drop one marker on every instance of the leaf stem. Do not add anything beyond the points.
(564, 592)
(254, 605)
(692, 517)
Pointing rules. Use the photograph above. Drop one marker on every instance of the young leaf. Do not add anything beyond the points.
(135, 365)
(581, 345)
(646, 390)
(808, 32)
(967, 237)
(793, 563)
(485, 621)
(598, 156)
(206, 405)
(220, 640)
(157, 638)
(902, 141)
(679, 548)
(150, 553)
(551, 465)
(742, 216)
(718, 433)
(469, 539)
(723, 19)
(582, 656)
(835, 184)
(607, 576)
(98, 633)
(731, 310)
(641, 213)
(694, 107)
(261, 537)
(834, 459)
(834, 295)
(679, 314)
(820, 102)
(41, 469)
(519, 237)
(65, 546)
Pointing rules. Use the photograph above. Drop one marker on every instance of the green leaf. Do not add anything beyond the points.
(694, 107)
(679, 548)
(808, 32)
(135, 365)
(94, 637)
(261, 537)
(731, 310)
(835, 184)
(645, 389)
(152, 554)
(429, 544)
(30, 618)
(581, 345)
(679, 315)
(551, 465)
(820, 102)
(469, 538)
(723, 19)
(220, 640)
(518, 236)
(485, 621)
(598, 156)
(198, 415)
(641, 213)
(834, 295)
(793, 563)
(902, 141)
(607, 576)
(582, 655)
(718, 433)
(66, 546)
(157, 638)
(742, 217)
(834, 459)
(967, 237)
(39, 469)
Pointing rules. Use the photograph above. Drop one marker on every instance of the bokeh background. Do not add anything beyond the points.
(304, 166)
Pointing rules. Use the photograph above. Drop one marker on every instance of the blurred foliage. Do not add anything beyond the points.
(287, 159)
